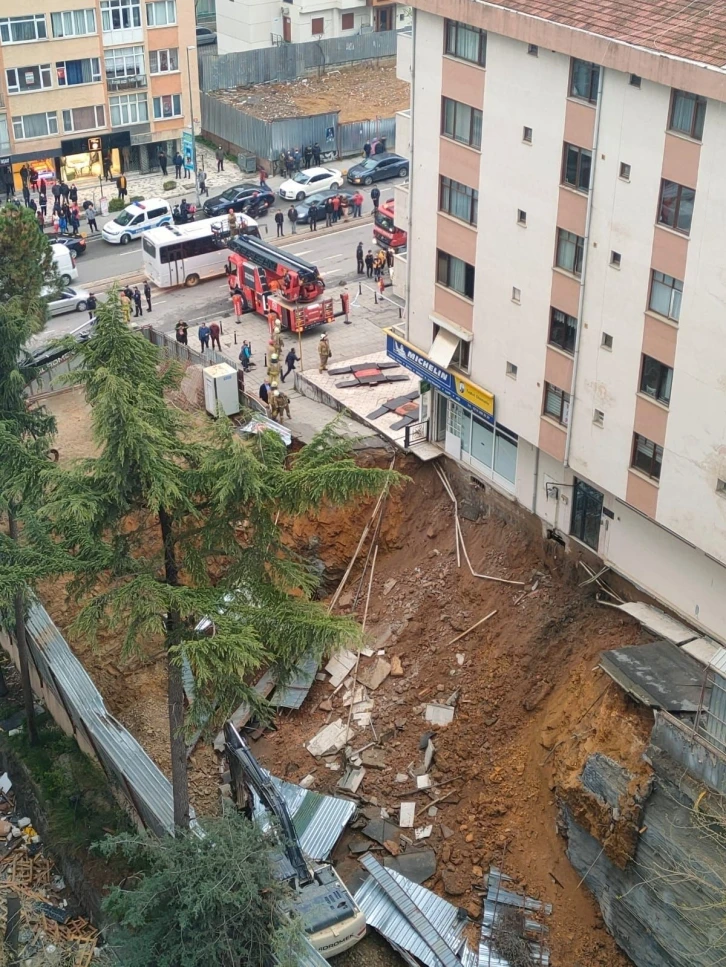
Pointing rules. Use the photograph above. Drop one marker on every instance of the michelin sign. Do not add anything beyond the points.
(450, 384)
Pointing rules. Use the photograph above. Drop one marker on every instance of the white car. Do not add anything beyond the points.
(67, 300)
(304, 183)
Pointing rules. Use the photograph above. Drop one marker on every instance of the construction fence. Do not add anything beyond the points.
(286, 62)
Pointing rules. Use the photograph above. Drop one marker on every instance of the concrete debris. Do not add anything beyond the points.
(375, 674)
(460, 658)
(407, 815)
(396, 667)
(382, 832)
(367, 652)
(5, 784)
(351, 779)
(333, 766)
(439, 714)
(433, 811)
(446, 832)
(326, 705)
(423, 782)
(374, 758)
(308, 781)
(340, 666)
(389, 586)
(429, 754)
(330, 739)
(353, 698)
(401, 777)
(423, 832)
(418, 865)
(362, 719)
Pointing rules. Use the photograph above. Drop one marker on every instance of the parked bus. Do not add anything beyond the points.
(385, 232)
(186, 254)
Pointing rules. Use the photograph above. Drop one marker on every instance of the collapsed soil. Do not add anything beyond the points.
(363, 92)
(531, 704)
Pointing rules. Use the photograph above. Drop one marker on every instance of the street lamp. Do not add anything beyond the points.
(194, 142)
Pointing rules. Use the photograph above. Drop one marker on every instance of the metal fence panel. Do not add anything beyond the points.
(353, 134)
(236, 127)
(290, 133)
(288, 61)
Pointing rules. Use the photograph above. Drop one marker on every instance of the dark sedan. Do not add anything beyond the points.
(320, 197)
(379, 167)
(74, 244)
(239, 198)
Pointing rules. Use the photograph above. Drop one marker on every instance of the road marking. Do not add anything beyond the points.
(305, 252)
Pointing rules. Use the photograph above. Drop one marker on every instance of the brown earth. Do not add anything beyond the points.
(363, 92)
(531, 704)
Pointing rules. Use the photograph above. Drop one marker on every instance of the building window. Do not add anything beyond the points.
(465, 42)
(84, 118)
(24, 79)
(615, 259)
(458, 200)
(607, 341)
(688, 112)
(167, 106)
(516, 294)
(576, 165)
(563, 330)
(164, 61)
(584, 80)
(128, 109)
(656, 380)
(721, 487)
(647, 456)
(511, 370)
(521, 217)
(347, 21)
(125, 68)
(635, 80)
(557, 404)
(533, 49)
(675, 208)
(120, 14)
(624, 171)
(665, 295)
(598, 417)
(455, 274)
(35, 125)
(73, 23)
(318, 26)
(73, 72)
(527, 135)
(461, 355)
(461, 122)
(20, 30)
(161, 14)
(570, 250)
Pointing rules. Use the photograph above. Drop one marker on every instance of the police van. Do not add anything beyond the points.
(136, 219)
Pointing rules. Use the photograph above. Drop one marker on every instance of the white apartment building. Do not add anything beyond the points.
(264, 23)
(567, 209)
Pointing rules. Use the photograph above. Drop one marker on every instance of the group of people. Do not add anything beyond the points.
(296, 159)
(65, 213)
(132, 297)
(374, 266)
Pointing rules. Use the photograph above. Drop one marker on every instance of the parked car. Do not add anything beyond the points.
(75, 245)
(67, 300)
(320, 197)
(239, 198)
(205, 36)
(304, 183)
(377, 168)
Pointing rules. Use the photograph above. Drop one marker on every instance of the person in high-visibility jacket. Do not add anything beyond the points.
(279, 405)
(324, 352)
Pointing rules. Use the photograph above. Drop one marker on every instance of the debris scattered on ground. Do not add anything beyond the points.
(340, 666)
(330, 739)
(408, 814)
(439, 714)
(375, 674)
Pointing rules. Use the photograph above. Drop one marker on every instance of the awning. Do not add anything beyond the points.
(658, 675)
(443, 348)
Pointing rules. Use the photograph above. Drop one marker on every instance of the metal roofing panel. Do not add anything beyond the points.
(718, 662)
(658, 621)
(295, 692)
(383, 914)
(499, 896)
(659, 675)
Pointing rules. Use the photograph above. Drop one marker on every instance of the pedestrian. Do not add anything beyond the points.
(297, 158)
(7, 176)
(43, 199)
(369, 263)
(25, 174)
(204, 334)
(41, 220)
(281, 163)
(280, 222)
(313, 217)
(91, 305)
(389, 258)
(214, 332)
(279, 405)
(359, 258)
(367, 149)
(75, 220)
(65, 190)
(56, 193)
(181, 330)
(137, 303)
(292, 217)
(358, 198)
(328, 212)
(63, 221)
(316, 153)
(122, 186)
(26, 195)
(91, 218)
(107, 165)
(147, 295)
(188, 164)
(129, 293)
(324, 352)
(162, 161)
(32, 205)
(55, 222)
(178, 162)
(308, 153)
(375, 197)
(73, 193)
(290, 360)
(202, 183)
(263, 178)
(289, 164)
(245, 356)
(265, 390)
(376, 268)
(219, 155)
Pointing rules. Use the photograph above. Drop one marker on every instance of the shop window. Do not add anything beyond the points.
(167, 106)
(164, 61)
(23, 79)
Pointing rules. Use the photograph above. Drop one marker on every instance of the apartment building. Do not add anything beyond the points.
(568, 203)
(82, 78)
(264, 23)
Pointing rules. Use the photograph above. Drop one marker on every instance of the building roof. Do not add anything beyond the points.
(692, 29)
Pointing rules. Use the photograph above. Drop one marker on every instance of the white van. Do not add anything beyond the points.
(65, 263)
(136, 219)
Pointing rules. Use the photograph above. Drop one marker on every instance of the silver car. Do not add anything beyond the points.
(69, 300)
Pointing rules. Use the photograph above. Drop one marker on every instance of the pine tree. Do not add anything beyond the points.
(172, 522)
(26, 268)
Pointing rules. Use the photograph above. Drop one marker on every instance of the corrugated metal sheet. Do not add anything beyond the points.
(498, 897)
(383, 914)
(288, 133)
(294, 693)
(138, 778)
(225, 122)
(319, 820)
(353, 135)
(288, 61)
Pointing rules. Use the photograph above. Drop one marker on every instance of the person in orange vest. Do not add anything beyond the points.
(237, 303)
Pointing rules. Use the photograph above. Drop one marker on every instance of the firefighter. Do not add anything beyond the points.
(277, 340)
(273, 367)
(324, 352)
(232, 222)
(279, 405)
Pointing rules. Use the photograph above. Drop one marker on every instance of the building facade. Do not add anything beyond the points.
(79, 81)
(264, 23)
(566, 200)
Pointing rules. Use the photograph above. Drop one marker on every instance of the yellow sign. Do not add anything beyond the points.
(481, 398)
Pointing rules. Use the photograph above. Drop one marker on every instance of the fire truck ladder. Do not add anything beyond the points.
(271, 258)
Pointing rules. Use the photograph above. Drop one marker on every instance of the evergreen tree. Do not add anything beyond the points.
(174, 521)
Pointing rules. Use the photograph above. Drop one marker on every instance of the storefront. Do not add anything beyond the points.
(460, 416)
(83, 157)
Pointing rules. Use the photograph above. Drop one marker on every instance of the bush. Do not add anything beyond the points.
(135, 198)
(169, 185)
(116, 205)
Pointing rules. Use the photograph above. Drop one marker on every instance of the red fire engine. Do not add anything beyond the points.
(275, 281)
(385, 230)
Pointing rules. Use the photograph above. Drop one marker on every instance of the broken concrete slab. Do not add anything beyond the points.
(423, 782)
(389, 586)
(330, 739)
(359, 846)
(359, 694)
(374, 758)
(308, 781)
(439, 714)
(396, 667)
(382, 831)
(351, 779)
(407, 815)
(340, 666)
(423, 832)
(401, 777)
(429, 754)
(418, 865)
(375, 674)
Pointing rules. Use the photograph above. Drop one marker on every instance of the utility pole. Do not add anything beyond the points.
(190, 48)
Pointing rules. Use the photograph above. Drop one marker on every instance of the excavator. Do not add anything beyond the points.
(279, 283)
(332, 920)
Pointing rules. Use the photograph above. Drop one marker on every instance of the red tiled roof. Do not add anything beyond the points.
(692, 29)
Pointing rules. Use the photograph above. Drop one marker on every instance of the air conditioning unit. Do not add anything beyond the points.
(221, 390)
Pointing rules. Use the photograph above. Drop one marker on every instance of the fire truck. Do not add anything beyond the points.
(385, 231)
(277, 282)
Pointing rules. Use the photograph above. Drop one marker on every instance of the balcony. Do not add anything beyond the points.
(116, 84)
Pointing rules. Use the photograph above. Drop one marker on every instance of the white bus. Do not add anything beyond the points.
(186, 254)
